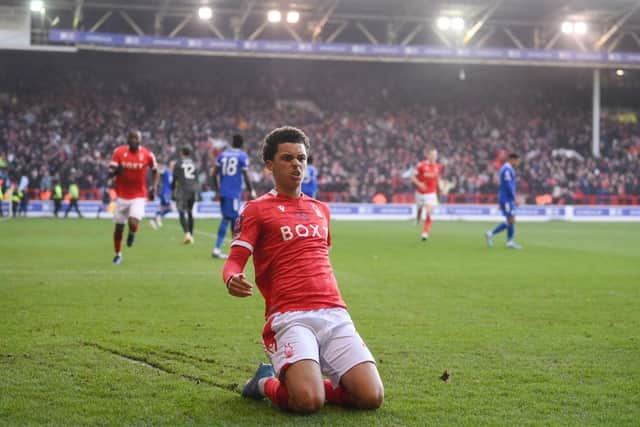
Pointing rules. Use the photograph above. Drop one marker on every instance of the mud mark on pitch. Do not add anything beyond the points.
(159, 367)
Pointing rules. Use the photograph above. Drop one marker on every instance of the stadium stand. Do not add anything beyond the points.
(61, 116)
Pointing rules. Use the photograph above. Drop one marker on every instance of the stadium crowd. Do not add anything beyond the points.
(59, 123)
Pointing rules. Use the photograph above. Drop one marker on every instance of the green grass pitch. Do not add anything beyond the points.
(545, 336)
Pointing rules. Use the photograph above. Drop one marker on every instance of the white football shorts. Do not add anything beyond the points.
(423, 199)
(327, 336)
(126, 208)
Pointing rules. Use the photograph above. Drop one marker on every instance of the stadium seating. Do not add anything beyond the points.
(366, 134)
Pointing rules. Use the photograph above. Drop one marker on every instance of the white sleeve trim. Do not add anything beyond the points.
(243, 244)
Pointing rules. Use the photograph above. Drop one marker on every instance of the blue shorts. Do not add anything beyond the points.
(508, 209)
(229, 207)
(165, 200)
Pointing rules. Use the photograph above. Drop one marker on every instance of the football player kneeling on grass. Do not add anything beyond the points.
(308, 331)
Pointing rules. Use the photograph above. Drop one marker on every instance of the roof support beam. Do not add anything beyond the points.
(442, 37)
(485, 37)
(101, 21)
(615, 27)
(323, 21)
(131, 22)
(215, 29)
(77, 14)
(237, 31)
(552, 42)
(366, 32)
(293, 33)
(159, 16)
(636, 38)
(616, 42)
(485, 17)
(412, 35)
(258, 30)
(180, 26)
(516, 41)
(337, 31)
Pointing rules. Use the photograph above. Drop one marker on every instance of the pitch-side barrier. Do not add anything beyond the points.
(363, 211)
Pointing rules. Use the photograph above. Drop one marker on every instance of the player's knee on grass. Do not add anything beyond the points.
(365, 386)
(305, 386)
(306, 400)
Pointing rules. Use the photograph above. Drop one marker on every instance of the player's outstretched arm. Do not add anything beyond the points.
(233, 272)
(247, 181)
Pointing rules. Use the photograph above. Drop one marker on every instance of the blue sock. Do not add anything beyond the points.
(511, 230)
(222, 231)
(499, 228)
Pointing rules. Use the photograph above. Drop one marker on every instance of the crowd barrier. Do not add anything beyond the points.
(361, 211)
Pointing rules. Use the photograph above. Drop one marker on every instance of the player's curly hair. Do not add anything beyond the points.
(282, 135)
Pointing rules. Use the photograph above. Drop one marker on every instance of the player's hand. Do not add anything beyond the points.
(115, 170)
(239, 287)
(152, 193)
(422, 186)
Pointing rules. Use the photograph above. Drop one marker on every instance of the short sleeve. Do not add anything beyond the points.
(244, 162)
(247, 227)
(151, 160)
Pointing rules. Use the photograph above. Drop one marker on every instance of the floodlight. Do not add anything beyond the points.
(580, 27)
(205, 12)
(457, 24)
(274, 16)
(293, 16)
(444, 23)
(37, 6)
(567, 27)
(620, 72)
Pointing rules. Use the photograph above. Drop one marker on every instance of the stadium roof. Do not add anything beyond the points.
(611, 25)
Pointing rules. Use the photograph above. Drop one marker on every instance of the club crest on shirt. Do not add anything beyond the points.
(281, 208)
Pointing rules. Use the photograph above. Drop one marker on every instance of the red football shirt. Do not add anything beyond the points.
(428, 173)
(289, 239)
(132, 182)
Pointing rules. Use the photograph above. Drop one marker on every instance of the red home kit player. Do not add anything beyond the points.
(308, 331)
(129, 165)
(426, 178)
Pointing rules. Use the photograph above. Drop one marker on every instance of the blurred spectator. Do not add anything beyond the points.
(64, 115)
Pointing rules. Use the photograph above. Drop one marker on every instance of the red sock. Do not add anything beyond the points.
(133, 227)
(427, 224)
(337, 396)
(117, 240)
(277, 393)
